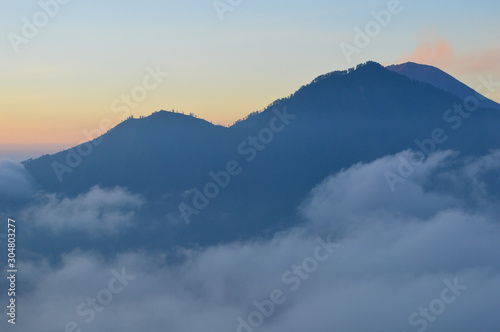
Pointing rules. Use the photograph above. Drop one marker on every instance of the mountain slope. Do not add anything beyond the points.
(340, 119)
(135, 154)
(441, 80)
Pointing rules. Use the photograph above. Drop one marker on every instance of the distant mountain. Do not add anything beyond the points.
(339, 119)
(441, 80)
(163, 152)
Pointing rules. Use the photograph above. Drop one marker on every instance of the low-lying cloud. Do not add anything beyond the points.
(99, 211)
(15, 182)
(422, 258)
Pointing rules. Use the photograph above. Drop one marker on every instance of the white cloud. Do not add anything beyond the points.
(361, 191)
(96, 212)
(15, 181)
(397, 251)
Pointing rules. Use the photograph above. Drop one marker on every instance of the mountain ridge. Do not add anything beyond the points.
(442, 80)
(338, 120)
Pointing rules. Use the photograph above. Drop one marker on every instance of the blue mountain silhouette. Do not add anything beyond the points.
(442, 80)
(339, 119)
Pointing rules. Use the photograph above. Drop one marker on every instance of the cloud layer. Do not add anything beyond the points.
(15, 181)
(99, 211)
(403, 256)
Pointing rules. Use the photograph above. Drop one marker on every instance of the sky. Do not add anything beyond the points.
(63, 78)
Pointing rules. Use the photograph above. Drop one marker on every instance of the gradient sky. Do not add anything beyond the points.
(89, 54)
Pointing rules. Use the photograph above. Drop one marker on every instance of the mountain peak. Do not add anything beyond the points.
(164, 119)
(442, 80)
(363, 67)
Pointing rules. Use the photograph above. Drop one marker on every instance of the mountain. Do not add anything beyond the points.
(162, 144)
(337, 120)
(441, 80)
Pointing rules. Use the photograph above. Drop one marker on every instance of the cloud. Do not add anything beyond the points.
(399, 251)
(362, 190)
(15, 181)
(99, 211)
(437, 51)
